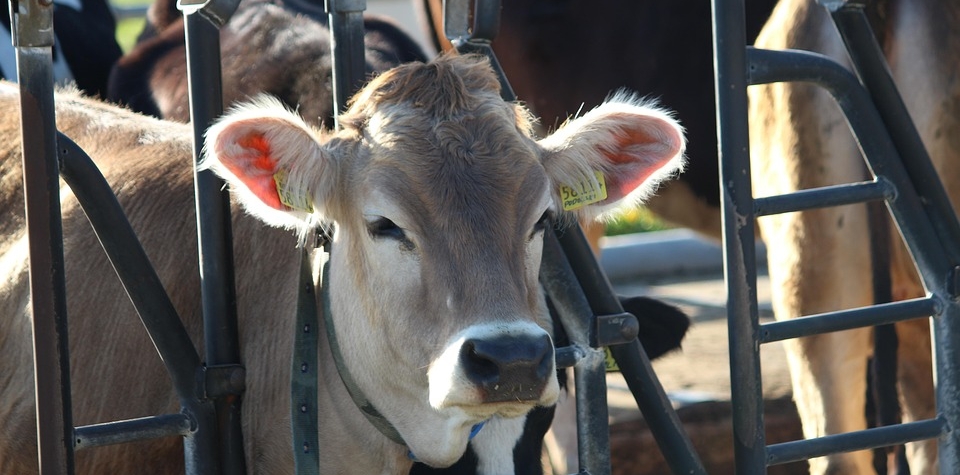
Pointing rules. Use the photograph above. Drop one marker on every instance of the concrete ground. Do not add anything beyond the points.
(684, 270)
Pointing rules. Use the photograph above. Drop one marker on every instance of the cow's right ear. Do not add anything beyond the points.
(274, 164)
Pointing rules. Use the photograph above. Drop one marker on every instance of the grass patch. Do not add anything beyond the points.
(130, 27)
(636, 220)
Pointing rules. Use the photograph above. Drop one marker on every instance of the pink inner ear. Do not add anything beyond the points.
(255, 167)
(640, 152)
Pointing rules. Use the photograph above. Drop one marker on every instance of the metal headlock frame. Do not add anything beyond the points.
(210, 393)
(570, 274)
(910, 188)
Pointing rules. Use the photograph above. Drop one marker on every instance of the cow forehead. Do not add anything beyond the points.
(479, 166)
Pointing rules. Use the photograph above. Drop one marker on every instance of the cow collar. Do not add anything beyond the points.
(359, 398)
(304, 422)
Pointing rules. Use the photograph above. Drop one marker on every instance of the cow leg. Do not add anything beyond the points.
(818, 261)
(916, 389)
(923, 64)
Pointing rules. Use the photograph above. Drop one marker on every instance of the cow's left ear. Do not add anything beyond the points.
(273, 162)
(612, 156)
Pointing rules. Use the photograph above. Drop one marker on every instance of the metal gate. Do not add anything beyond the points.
(586, 305)
(209, 387)
(911, 190)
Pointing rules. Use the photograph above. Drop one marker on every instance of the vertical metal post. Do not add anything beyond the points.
(739, 248)
(214, 227)
(349, 65)
(32, 25)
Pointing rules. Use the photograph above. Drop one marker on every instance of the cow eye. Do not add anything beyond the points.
(383, 228)
(545, 221)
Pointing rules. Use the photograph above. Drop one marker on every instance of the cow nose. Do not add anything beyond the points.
(508, 368)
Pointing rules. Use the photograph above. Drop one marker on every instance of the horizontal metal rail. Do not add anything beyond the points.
(859, 440)
(849, 319)
(836, 195)
(132, 430)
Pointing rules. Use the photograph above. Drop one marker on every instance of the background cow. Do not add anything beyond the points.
(818, 260)
(561, 57)
(420, 144)
(85, 47)
(281, 48)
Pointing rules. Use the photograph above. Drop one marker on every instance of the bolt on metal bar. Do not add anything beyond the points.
(32, 28)
(852, 441)
(847, 319)
(835, 195)
(132, 430)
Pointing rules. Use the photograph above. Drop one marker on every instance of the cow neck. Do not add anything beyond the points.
(359, 398)
(303, 421)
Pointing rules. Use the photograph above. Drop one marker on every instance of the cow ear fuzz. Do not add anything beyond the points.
(275, 166)
(613, 157)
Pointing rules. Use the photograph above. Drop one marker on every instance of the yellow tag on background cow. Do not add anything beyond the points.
(291, 198)
(583, 193)
(609, 363)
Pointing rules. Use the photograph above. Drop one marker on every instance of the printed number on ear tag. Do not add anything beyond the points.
(583, 193)
(291, 198)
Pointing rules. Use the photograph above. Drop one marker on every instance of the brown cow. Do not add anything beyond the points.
(278, 47)
(438, 196)
(818, 260)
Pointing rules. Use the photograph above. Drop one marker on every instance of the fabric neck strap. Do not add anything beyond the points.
(359, 398)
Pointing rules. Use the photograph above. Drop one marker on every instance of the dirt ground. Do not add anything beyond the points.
(697, 379)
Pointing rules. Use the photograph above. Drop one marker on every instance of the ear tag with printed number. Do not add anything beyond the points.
(290, 198)
(583, 193)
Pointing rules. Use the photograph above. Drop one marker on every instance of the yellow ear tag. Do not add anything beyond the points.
(290, 198)
(609, 363)
(583, 193)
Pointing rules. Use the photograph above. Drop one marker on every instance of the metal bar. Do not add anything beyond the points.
(860, 440)
(739, 248)
(478, 38)
(142, 285)
(348, 65)
(132, 430)
(575, 314)
(215, 238)
(870, 65)
(132, 265)
(847, 319)
(931, 244)
(877, 147)
(937, 267)
(633, 361)
(825, 196)
(32, 25)
(568, 356)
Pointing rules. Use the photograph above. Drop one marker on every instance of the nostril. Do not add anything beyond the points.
(481, 368)
(508, 367)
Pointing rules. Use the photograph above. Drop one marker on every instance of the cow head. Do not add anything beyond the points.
(439, 197)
